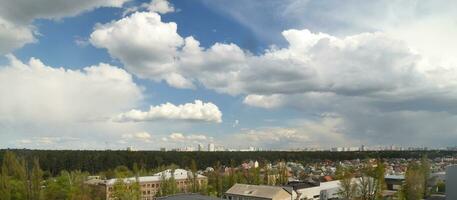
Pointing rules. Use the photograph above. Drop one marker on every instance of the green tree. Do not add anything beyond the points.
(371, 182)
(5, 187)
(36, 179)
(348, 187)
(282, 174)
(414, 182)
(168, 185)
(14, 179)
(126, 188)
(425, 170)
(59, 187)
(194, 185)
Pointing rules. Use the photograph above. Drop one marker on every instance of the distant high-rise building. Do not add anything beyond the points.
(200, 147)
(163, 149)
(211, 147)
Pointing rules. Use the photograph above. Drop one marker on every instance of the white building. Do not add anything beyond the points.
(322, 191)
(259, 192)
(211, 147)
(150, 185)
(200, 147)
(451, 182)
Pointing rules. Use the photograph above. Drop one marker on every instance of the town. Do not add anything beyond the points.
(322, 179)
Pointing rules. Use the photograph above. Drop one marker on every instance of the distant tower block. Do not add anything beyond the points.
(211, 147)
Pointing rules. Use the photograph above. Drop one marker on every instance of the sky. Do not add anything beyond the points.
(287, 74)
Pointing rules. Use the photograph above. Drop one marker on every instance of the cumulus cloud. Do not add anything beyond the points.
(197, 111)
(44, 93)
(13, 36)
(151, 50)
(16, 17)
(55, 107)
(264, 101)
(369, 74)
(160, 6)
(360, 64)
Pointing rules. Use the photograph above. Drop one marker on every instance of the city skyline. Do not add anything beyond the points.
(290, 74)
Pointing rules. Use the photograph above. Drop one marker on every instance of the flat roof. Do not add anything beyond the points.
(187, 197)
(179, 174)
(264, 191)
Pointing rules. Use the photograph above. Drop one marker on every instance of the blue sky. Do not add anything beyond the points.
(276, 74)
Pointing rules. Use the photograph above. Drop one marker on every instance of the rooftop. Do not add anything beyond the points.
(187, 197)
(179, 174)
(263, 191)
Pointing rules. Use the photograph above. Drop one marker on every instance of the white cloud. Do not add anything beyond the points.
(323, 132)
(141, 137)
(23, 11)
(13, 36)
(35, 92)
(264, 101)
(17, 16)
(50, 106)
(197, 111)
(44, 142)
(316, 72)
(152, 50)
(182, 138)
(159, 6)
(311, 62)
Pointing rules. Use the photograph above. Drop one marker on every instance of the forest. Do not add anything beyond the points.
(55, 161)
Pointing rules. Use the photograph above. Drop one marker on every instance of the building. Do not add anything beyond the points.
(211, 147)
(187, 197)
(150, 185)
(451, 182)
(315, 190)
(200, 147)
(394, 182)
(259, 192)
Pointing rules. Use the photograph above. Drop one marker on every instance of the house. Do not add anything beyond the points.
(259, 192)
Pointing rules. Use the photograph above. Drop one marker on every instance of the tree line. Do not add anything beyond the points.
(54, 161)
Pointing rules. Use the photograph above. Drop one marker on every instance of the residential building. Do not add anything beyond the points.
(211, 147)
(150, 185)
(315, 190)
(187, 197)
(259, 192)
